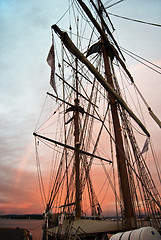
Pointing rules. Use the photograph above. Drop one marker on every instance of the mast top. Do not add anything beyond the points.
(75, 51)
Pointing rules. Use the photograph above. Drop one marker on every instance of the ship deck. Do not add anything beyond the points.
(87, 227)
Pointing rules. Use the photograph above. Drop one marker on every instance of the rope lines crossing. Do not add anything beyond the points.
(41, 185)
(65, 13)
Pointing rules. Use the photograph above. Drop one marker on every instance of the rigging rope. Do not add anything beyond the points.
(141, 58)
(135, 20)
(156, 163)
(148, 186)
(40, 115)
(65, 12)
(155, 118)
(41, 185)
(125, 97)
(131, 55)
(113, 3)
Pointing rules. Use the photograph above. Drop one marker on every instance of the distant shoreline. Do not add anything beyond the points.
(24, 216)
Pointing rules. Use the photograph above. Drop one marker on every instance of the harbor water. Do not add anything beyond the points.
(34, 226)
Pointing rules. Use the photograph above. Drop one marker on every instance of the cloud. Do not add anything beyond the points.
(19, 195)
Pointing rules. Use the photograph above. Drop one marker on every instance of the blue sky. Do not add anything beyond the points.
(25, 37)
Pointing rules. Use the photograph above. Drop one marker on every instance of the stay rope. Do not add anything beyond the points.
(135, 20)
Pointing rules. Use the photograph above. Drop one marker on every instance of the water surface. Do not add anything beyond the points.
(34, 226)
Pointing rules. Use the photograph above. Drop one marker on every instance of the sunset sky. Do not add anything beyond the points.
(25, 38)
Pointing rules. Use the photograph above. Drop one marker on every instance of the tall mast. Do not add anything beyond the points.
(75, 51)
(65, 138)
(114, 100)
(129, 214)
(77, 146)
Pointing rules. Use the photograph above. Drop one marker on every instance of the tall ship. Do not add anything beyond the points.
(94, 139)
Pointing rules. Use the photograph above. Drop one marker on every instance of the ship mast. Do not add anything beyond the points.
(115, 98)
(129, 214)
(77, 146)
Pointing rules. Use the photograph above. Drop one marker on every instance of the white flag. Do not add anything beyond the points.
(145, 147)
(51, 62)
